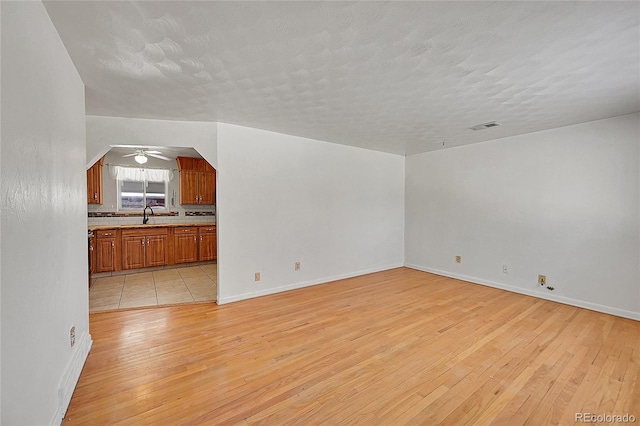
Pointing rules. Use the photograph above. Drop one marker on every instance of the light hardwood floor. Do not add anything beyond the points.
(395, 347)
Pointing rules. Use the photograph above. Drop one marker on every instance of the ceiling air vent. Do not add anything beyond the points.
(485, 125)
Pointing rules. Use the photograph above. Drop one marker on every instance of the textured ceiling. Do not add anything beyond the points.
(398, 77)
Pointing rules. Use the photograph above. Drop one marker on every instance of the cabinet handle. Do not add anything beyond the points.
(113, 245)
(200, 237)
(194, 238)
(142, 241)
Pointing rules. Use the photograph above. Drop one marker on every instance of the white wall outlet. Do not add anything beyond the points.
(257, 276)
(72, 336)
(505, 269)
(458, 259)
(297, 266)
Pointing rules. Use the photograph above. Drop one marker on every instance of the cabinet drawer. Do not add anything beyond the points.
(144, 231)
(182, 230)
(208, 229)
(106, 233)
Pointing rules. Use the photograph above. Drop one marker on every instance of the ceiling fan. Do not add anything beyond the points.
(141, 155)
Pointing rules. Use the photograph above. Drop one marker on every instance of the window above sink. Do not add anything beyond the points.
(136, 195)
(138, 188)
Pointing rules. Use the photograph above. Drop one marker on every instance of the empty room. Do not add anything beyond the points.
(319, 213)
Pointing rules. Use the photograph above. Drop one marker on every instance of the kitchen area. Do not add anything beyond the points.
(152, 237)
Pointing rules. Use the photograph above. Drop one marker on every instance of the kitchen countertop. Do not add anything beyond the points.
(153, 225)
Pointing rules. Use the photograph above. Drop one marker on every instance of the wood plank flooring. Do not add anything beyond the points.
(391, 348)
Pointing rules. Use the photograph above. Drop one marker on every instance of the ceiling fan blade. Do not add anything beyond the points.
(153, 152)
(130, 155)
(162, 157)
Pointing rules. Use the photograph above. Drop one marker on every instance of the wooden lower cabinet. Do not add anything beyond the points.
(208, 243)
(92, 255)
(133, 252)
(136, 248)
(144, 248)
(185, 242)
(156, 250)
(106, 254)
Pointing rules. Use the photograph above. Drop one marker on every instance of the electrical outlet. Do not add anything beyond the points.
(72, 336)
(542, 279)
(505, 269)
(458, 259)
(257, 276)
(297, 266)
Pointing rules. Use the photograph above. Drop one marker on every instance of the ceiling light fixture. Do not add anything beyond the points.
(485, 125)
(140, 158)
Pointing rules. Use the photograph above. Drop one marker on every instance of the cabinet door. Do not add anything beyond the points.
(90, 190)
(94, 184)
(92, 255)
(190, 163)
(133, 252)
(207, 188)
(156, 248)
(186, 245)
(208, 250)
(189, 187)
(98, 181)
(92, 194)
(106, 254)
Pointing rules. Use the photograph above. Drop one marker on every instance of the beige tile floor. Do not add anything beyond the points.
(163, 287)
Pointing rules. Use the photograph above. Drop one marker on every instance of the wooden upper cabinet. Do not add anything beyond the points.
(94, 183)
(190, 163)
(207, 188)
(189, 187)
(197, 181)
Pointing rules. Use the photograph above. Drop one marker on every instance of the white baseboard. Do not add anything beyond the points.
(71, 376)
(554, 298)
(303, 284)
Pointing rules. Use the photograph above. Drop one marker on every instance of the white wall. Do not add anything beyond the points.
(44, 242)
(102, 132)
(336, 209)
(0, 222)
(562, 202)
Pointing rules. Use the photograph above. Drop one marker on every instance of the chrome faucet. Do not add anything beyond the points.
(145, 218)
